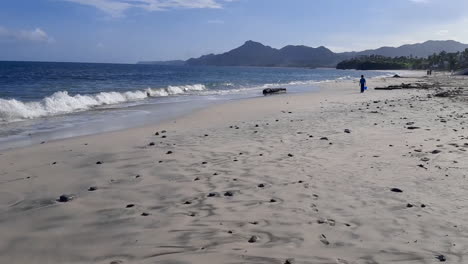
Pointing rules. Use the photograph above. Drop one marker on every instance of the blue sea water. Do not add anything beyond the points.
(46, 100)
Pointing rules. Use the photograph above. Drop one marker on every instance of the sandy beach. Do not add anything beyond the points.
(329, 177)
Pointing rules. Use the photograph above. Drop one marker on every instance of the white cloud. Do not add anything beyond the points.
(36, 35)
(117, 8)
(443, 32)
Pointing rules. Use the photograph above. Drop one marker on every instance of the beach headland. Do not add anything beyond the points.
(329, 177)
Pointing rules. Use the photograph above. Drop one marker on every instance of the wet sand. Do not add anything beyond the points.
(329, 177)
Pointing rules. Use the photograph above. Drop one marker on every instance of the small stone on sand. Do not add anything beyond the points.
(441, 258)
(65, 198)
(396, 190)
(253, 239)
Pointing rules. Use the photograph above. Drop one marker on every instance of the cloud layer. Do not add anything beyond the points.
(118, 7)
(36, 35)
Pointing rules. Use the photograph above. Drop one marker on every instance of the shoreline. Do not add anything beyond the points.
(20, 141)
(310, 177)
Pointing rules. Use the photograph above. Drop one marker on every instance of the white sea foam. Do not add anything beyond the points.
(62, 102)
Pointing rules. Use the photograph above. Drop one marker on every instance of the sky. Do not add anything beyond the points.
(127, 31)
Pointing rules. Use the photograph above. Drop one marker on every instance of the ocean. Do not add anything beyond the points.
(42, 101)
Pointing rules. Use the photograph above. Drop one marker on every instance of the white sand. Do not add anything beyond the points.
(332, 198)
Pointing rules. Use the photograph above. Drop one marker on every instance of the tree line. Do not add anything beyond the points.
(442, 61)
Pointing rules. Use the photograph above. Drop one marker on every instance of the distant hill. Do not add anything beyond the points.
(256, 54)
(418, 50)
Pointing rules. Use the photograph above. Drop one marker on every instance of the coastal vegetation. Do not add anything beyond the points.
(438, 61)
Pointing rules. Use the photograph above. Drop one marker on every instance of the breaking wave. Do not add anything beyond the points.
(62, 103)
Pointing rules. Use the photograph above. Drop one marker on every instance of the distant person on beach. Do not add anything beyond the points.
(362, 82)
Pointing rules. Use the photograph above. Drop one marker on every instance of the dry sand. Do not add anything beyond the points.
(265, 180)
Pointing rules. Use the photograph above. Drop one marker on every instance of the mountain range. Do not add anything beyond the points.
(253, 53)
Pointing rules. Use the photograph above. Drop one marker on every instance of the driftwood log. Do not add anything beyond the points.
(407, 86)
(270, 91)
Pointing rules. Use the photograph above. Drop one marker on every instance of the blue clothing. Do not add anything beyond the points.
(363, 82)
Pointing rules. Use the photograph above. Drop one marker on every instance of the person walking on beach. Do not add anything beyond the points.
(362, 82)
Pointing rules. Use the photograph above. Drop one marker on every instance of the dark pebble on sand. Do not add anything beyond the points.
(324, 240)
(169, 152)
(229, 193)
(409, 205)
(204, 163)
(347, 131)
(413, 127)
(289, 261)
(423, 206)
(163, 137)
(261, 185)
(99, 162)
(130, 206)
(212, 194)
(253, 239)
(396, 190)
(164, 131)
(290, 155)
(92, 188)
(436, 151)
(196, 179)
(230, 232)
(272, 201)
(65, 198)
(145, 214)
(188, 202)
(151, 144)
(441, 258)
(156, 134)
(323, 138)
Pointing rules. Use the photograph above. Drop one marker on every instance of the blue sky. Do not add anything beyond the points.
(131, 30)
